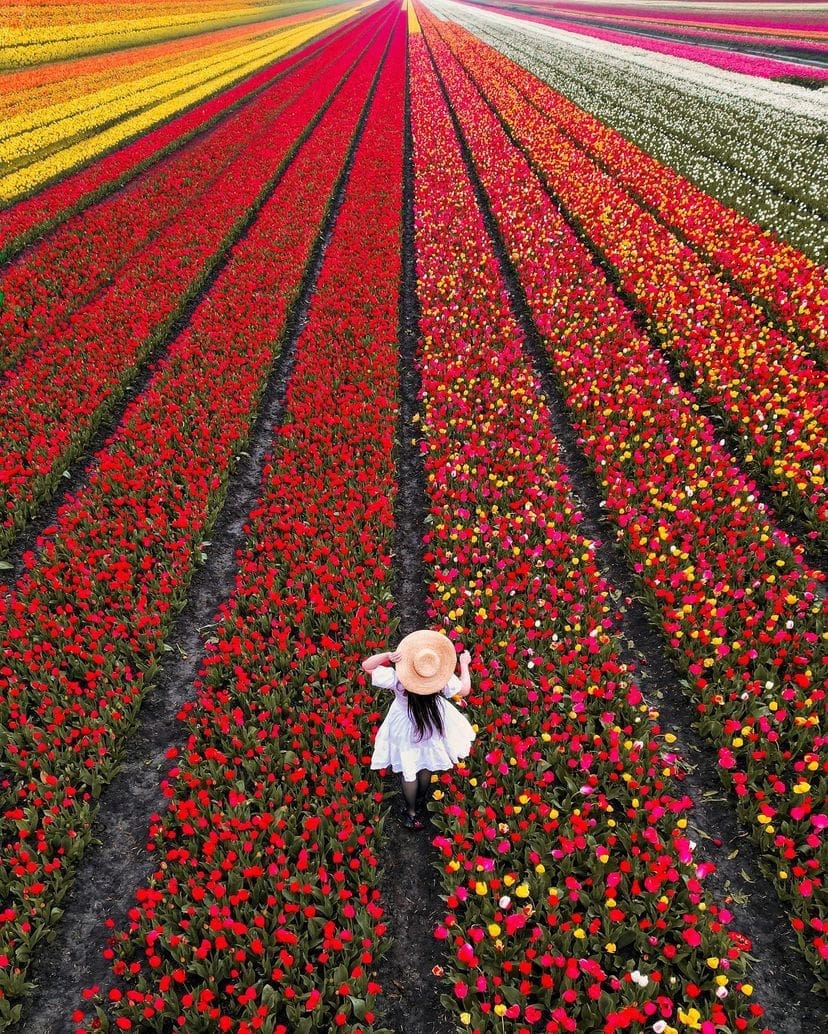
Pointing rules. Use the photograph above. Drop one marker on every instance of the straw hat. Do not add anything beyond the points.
(428, 661)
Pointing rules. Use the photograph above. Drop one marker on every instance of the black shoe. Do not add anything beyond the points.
(409, 821)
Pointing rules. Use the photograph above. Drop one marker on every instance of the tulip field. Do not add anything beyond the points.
(320, 322)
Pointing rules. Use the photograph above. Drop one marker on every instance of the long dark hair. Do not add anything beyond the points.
(424, 712)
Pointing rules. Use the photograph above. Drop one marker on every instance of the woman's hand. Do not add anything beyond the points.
(465, 674)
(377, 660)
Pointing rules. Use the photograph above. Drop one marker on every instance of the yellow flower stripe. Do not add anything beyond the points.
(17, 96)
(29, 134)
(22, 181)
(42, 85)
(37, 35)
(32, 45)
(32, 13)
(413, 22)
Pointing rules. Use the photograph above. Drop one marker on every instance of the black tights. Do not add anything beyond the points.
(414, 788)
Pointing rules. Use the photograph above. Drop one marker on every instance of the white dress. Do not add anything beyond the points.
(397, 746)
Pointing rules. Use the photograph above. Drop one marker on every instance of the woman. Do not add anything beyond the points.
(422, 732)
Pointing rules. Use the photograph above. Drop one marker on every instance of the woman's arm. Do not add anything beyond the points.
(378, 659)
(465, 677)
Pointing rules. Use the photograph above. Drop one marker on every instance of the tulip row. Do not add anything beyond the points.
(46, 85)
(52, 401)
(730, 60)
(264, 904)
(21, 13)
(29, 133)
(792, 287)
(33, 43)
(776, 23)
(59, 148)
(744, 620)
(708, 131)
(82, 631)
(574, 901)
(773, 24)
(770, 391)
(740, 109)
(70, 267)
(35, 216)
(804, 37)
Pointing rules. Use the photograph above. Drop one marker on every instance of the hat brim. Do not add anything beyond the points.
(409, 648)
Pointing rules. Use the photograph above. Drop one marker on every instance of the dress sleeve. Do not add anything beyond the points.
(384, 677)
(452, 687)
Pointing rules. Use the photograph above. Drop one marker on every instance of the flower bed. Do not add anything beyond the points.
(38, 95)
(573, 899)
(792, 287)
(53, 400)
(83, 630)
(61, 153)
(273, 822)
(31, 134)
(752, 145)
(41, 39)
(54, 279)
(44, 86)
(33, 216)
(772, 395)
(731, 61)
(744, 620)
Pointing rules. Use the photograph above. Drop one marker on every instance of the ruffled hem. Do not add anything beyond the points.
(395, 749)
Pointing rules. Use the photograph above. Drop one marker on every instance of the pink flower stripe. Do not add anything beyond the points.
(700, 36)
(735, 14)
(574, 901)
(82, 632)
(770, 391)
(730, 61)
(264, 912)
(792, 287)
(32, 217)
(53, 279)
(743, 618)
(719, 27)
(55, 397)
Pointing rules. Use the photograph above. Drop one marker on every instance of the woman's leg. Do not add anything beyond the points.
(409, 789)
(423, 786)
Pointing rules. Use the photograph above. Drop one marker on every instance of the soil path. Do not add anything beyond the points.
(410, 1003)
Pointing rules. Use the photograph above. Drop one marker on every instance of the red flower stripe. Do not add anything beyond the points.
(34, 216)
(744, 620)
(55, 278)
(264, 913)
(574, 902)
(768, 388)
(55, 397)
(792, 286)
(81, 634)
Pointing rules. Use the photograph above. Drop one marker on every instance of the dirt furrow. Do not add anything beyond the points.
(410, 886)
